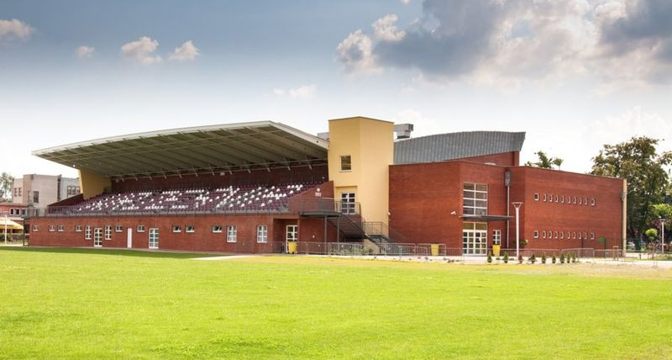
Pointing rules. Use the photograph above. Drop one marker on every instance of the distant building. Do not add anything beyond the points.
(35, 191)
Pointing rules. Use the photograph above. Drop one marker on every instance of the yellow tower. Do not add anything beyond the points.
(360, 152)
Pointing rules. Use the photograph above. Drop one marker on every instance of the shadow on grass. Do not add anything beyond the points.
(120, 252)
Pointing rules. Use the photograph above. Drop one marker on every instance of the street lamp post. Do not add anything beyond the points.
(517, 205)
(662, 235)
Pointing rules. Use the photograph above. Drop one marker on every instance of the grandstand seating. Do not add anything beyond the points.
(273, 198)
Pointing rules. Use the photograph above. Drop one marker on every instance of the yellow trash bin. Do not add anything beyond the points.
(435, 249)
(291, 247)
(496, 249)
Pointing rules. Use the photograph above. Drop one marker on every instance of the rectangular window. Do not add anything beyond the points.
(78, 228)
(60, 228)
(592, 202)
(348, 204)
(536, 234)
(544, 197)
(189, 229)
(118, 228)
(35, 228)
(52, 228)
(231, 233)
(217, 229)
(262, 234)
(177, 228)
(87, 232)
(592, 236)
(497, 237)
(292, 232)
(346, 163)
(36, 196)
(475, 199)
(536, 196)
(108, 232)
(140, 228)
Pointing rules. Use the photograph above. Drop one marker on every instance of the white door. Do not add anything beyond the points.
(129, 237)
(98, 237)
(474, 238)
(153, 238)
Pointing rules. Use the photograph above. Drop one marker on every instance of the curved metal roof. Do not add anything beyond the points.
(193, 149)
(452, 146)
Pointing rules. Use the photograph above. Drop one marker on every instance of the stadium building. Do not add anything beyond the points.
(264, 187)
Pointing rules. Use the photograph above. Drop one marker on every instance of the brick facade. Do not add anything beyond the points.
(426, 205)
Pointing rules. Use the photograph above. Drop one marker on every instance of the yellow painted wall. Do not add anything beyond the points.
(92, 184)
(370, 143)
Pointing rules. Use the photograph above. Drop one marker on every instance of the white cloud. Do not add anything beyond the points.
(142, 51)
(15, 29)
(405, 2)
(301, 92)
(617, 42)
(385, 29)
(634, 122)
(85, 52)
(185, 52)
(355, 52)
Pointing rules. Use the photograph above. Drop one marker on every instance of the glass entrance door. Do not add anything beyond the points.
(474, 238)
(153, 238)
(98, 237)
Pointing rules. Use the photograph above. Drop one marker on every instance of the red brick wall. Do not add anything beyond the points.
(502, 159)
(603, 219)
(422, 197)
(203, 239)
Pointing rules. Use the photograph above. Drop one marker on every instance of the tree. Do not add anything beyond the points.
(6, 183)
(637, 162)
(545, 161)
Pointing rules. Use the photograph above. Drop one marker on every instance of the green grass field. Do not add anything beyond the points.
(135, 305)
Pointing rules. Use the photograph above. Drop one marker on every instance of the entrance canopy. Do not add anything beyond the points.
(192, 150)
(486, 218)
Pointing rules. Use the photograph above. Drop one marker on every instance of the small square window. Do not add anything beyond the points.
(592, 236)
(346, 163)
(544, 197)
(52, 228)
(118, 228)
(140, 228)
(580, 235)
(574, 235)
(592, 202)
(216, 228)
(557, 199)
(574, 202)
(555, 234)
(562, 199)
(36, 228)
(60, 228)
(562, 235)
(536, 196)
(78, 228)
(177, 228)
(536, 234)
(585, 200)
(189, 229)
(543, 234)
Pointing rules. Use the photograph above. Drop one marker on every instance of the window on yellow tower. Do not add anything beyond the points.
(346, 163)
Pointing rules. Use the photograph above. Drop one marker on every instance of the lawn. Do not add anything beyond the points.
(137, 305)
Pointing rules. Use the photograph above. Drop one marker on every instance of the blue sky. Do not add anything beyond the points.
(574, 74)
